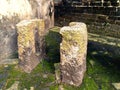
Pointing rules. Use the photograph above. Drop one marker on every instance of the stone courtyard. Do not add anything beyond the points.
(81, 52)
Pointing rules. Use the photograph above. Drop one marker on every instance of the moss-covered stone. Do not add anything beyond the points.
(31, 47)
(73, 51)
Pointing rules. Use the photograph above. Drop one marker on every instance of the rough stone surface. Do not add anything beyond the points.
(11, 13)
(8, 44)
(44, 9)
(61, 87)
(30, 43)
(57, 73)
(32, 88)
(73, 51)
(9, 61)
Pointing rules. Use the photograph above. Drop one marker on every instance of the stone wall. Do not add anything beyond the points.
(73, 50)
(96, 23)
(12, 12)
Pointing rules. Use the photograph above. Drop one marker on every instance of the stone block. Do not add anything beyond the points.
(30, 43)
(73, 50)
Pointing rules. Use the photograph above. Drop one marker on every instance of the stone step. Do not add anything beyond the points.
(116, 86)
(9, 61)
(104, 39)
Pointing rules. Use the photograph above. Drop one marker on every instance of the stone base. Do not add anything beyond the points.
(73, 75)
(29, 63)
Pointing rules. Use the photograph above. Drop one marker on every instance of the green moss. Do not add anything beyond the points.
(54, 87)
(101, 70)
(53, 39)
(34, 79)
(107, 86)
(68, 87)
(89, 84)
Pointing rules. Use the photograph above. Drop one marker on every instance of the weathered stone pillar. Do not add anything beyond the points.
(73, 50)
(30, 43)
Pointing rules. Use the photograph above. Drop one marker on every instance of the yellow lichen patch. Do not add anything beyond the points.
(26, 30)
(25, 37)
(30, 43)
(73, 49)
(74, 43)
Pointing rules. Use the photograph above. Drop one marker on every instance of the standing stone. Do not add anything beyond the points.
(30, 43)
(73, 50)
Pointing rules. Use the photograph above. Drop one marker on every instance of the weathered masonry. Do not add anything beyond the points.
(11, 13)
(31, 45)
(73, 50)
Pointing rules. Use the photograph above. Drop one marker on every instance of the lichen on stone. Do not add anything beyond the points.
(73, 49)
(30, 43)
